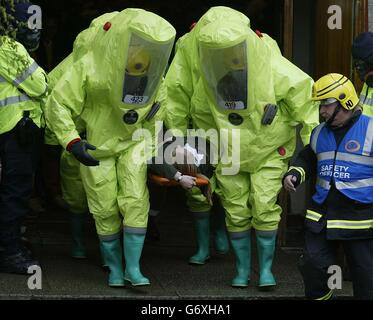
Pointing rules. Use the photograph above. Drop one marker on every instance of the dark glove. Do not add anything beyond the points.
(79, 150)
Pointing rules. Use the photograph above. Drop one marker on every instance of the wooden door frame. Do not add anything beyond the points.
(361, 16)
(360, 23)
(288, 28)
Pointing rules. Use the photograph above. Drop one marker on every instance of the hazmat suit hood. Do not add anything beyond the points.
(232, 52)
(82, 45)
(226, 63)
(184, 73)
(221, 13)
(94, 86)
(130, 56)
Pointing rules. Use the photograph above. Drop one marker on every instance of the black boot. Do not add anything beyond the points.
(14, 257)
(18, 262)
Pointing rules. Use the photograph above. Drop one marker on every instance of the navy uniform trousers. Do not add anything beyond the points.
(320, 253)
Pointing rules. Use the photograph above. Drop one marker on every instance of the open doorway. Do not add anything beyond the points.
(62, 21)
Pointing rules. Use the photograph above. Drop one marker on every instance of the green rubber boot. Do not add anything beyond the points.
(220, 231)
(112, 255)
(266, 243)
(103, 262)
(242, 250)
(202, 229)
(78, 250)
(133, 244)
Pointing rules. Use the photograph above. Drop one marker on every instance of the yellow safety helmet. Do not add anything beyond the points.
(138, 61)
(335, 87)
(235, 58)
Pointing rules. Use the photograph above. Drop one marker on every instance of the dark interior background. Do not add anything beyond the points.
(62, 21)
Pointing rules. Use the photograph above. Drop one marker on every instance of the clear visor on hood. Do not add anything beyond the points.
(145, 66)
(225, 70)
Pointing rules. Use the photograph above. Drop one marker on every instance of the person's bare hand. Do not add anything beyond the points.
(289, 183)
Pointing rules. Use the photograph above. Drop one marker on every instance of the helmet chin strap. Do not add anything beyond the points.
(331, 119)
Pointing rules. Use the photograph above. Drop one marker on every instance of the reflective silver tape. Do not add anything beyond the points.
(366, 100)
(367, 149)
(354, 184)
(29, 71)
(323, 183)
(316, 136)
(354, 158)
(326, 155)
(13, 100)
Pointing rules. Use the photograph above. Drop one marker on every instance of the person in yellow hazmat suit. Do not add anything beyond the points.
(114, 89)
(71, 183)
(23, 86)
(362, 54)
(184, 113)
(244, 82)
(247, 85)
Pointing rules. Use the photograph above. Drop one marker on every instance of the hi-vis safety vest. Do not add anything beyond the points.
(366, 100)
(350, 166)
(22, 84)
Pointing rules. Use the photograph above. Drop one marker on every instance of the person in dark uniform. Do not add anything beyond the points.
(22, 87)
(340, 156)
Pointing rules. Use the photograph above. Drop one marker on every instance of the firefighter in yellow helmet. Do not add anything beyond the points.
(340, 157)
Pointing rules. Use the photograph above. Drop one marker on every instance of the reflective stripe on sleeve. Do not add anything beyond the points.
(313, 215)
(29, 71)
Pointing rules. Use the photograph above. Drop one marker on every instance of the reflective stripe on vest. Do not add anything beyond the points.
(325, 184)
(364, 183)
(315, 136)
(354, 158)
(25, 74)
(325, 155)
(349, 224)
(351, 167)
(13, 100)
(367, 150)
(365, 100)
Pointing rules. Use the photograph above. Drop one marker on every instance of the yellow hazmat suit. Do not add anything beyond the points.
(249, 180)
(113, 96)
